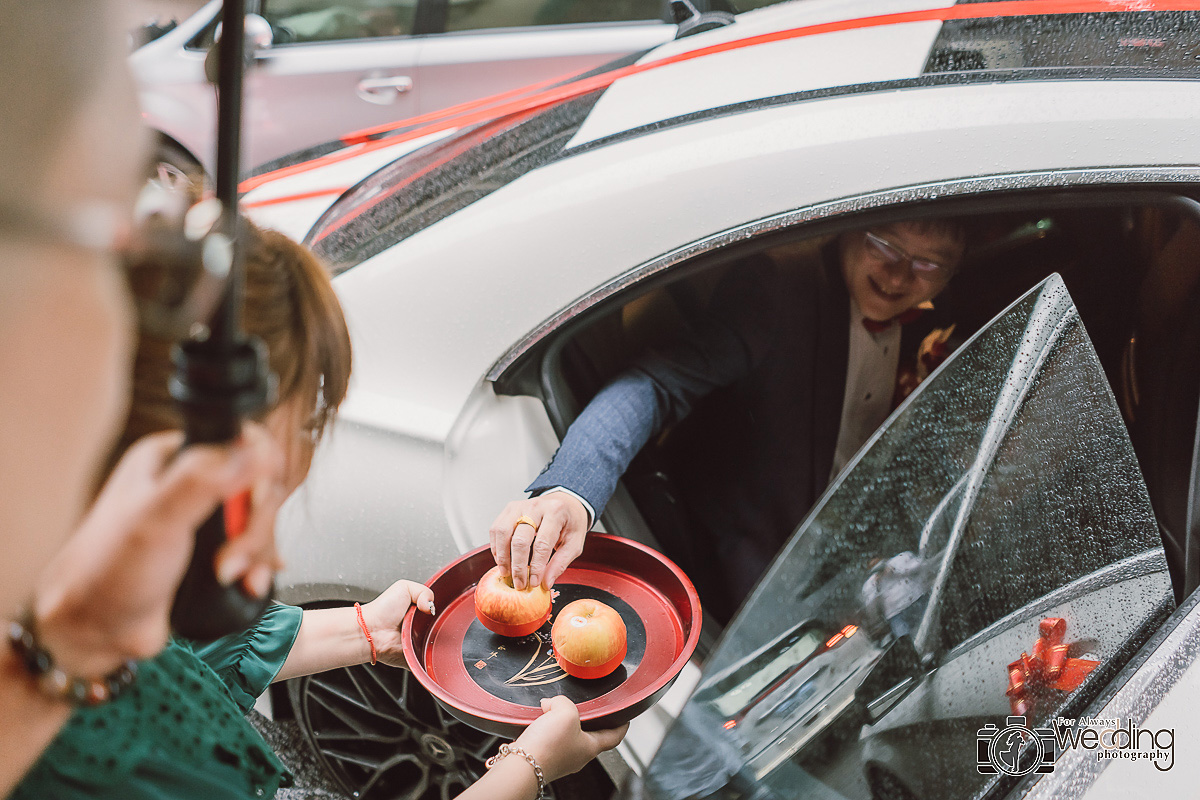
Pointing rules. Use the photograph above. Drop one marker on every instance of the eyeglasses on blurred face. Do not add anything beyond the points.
(890, 253)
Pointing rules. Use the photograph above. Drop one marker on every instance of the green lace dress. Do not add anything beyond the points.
(180, 731)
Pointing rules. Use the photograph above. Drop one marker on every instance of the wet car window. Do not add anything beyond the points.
(481, 14)
(1160, 42)
(413, 193)
(1002, 496)
(303, 21)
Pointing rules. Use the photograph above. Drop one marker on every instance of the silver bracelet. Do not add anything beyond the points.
(511, 749)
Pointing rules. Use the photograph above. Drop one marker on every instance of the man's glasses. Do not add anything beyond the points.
(883, 249)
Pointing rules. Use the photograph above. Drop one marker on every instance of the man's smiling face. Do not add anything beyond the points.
(893, 268)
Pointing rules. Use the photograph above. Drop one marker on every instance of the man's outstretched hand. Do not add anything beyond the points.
(541, 552)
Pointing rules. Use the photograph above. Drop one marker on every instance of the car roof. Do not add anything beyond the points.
(713, 67)
(832, 47)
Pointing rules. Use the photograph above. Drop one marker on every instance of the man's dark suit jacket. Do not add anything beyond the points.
(769, 363)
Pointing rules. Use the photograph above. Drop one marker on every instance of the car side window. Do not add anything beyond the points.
(1001, 505)
(466, 15)
(308, 21)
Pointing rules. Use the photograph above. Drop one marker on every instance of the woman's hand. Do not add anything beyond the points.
(107, 595)
(559, 745)
(385, 613)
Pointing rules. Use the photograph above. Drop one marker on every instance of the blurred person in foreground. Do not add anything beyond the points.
(179, 730)
(71, 158)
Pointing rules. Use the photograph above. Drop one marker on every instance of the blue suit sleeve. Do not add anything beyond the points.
(661, 388)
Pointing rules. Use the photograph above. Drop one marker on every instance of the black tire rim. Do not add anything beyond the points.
(383, 737)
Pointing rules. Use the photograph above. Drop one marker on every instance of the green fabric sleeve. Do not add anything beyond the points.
(247, 662)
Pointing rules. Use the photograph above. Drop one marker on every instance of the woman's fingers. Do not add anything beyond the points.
(250, 555)
(111, 586)
(421, 596)
(608, 739)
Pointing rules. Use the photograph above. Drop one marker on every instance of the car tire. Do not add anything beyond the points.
(381, 736)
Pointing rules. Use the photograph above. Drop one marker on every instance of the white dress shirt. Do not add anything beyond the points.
(591, 512)
(871, 366)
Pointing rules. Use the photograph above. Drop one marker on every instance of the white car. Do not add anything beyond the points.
(496, 271)
(324, 69)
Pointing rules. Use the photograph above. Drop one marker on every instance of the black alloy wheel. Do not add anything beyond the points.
(383, 737)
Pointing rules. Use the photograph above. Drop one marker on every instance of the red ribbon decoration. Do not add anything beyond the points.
(1047, 668)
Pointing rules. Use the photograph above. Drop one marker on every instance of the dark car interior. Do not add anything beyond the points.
(1130, 259)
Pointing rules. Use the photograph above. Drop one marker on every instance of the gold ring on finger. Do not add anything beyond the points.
(526, 521)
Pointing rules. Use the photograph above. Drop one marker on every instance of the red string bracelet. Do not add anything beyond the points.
(362, 623)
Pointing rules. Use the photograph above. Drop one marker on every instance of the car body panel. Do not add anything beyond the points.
(867, 55)
(174, 97)
(421, 278)
(1153, 692)
(451, 64)
(410, 316)
(301, 94)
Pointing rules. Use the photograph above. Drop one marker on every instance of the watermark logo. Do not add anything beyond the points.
(1111, 739)
(998, 749)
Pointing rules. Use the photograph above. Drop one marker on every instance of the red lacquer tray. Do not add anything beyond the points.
(495, 684)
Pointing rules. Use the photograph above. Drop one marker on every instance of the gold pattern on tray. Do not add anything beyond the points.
(540, 669)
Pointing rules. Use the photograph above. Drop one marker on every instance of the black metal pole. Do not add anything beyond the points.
(232, 66)
(231, 53)
(221, 375)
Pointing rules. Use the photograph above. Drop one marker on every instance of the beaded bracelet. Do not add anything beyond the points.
(510, 749)
(57, 684)
(362, 623)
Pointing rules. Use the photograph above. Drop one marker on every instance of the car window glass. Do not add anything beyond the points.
(1159, 43)
(1002, 494)
(466, 15)
(300, 21)
(413, 193)
(743, 6)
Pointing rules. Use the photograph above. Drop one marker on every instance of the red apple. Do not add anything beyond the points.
(504, 609)
(588, 639)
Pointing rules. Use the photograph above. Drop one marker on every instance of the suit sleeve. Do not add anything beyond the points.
(661, 388)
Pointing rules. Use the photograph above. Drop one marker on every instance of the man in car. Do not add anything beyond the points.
(806, 356)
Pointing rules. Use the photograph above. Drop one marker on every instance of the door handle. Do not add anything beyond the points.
(382, 91)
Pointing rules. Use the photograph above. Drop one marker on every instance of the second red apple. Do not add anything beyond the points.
(588, 638)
